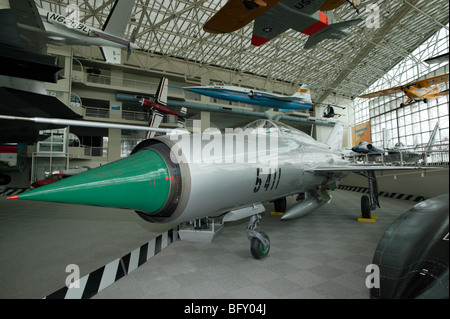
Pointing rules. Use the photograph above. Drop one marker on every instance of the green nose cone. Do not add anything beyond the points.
(139, 182)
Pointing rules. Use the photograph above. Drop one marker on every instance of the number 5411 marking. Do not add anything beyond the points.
(272, 179)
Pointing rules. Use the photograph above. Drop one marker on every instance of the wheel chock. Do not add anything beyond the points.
(277, 213)
(372, 219)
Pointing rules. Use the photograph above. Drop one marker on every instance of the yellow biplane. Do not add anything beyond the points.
(421, 90)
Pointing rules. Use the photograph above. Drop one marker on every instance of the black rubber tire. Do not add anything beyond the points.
(5, 179)
(365, 207)
(257, 248)
(280, 205)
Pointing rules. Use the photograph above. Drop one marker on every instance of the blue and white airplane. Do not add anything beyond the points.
(66, 29)
(300, 100)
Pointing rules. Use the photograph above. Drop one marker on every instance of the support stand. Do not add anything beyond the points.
(200, 230)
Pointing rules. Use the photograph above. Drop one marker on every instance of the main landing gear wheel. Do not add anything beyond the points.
(259, 241)
(280, 205)
(257, 248)
(365, 207)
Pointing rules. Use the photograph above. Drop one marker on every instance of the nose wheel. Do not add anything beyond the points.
(259, 241)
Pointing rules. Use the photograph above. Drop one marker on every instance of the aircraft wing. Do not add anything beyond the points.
(361, 168)
(332, 4)
(282, 98)
(270, 24)
(443, 93)
(333, 31)
(29, 25)
(119, 17)
(66, 122)
(235, 15)
(432, 81)
(437, 59)
(394, 90)
(267, 27)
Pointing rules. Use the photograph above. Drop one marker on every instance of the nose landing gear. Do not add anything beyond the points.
(260, 242)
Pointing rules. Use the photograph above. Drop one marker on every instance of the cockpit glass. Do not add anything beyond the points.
(282, 129)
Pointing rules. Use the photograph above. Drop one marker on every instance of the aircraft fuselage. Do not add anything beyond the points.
(62, 31)
(243, 95)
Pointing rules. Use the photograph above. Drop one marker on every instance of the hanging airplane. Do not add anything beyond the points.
(300, 100)
(59, 29)
(274, 17)
(159, 107)
(183, 177)
(366, 148)
(421, 90)
(437, 59)
(397, 153)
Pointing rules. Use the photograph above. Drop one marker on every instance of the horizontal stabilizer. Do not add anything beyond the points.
(111, 55)
(334, 31)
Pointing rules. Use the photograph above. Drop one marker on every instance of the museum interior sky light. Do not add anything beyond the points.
(173, 29)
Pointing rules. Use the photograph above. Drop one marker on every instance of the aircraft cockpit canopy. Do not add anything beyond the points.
(280, 128)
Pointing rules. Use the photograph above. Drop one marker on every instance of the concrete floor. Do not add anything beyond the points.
(322, 255)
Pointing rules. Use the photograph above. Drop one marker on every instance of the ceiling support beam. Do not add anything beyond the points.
(376, 39)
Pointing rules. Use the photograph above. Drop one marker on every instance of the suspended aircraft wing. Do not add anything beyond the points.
(29, 23)
(237, 14)
(271, 23)
(437, 59)
(442, 93)
(333, 31)
(119, 17)
(394, 90)
(431, 81)
(332, 4)
(267, 27)
(66, 122)
(360, 168)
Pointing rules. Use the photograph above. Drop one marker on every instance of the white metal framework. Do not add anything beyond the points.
(172, 29)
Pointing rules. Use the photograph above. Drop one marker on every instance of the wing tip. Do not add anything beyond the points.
(258, 41)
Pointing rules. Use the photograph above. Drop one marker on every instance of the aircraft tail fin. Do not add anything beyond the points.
(336, 138)
(432, 137)
(161, 99)
(304, 94)
(119, 17)
(182, 120)
(387, 141)
(162, 91)
(333, 31)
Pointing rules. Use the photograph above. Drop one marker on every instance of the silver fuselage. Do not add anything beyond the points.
(218, 184)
